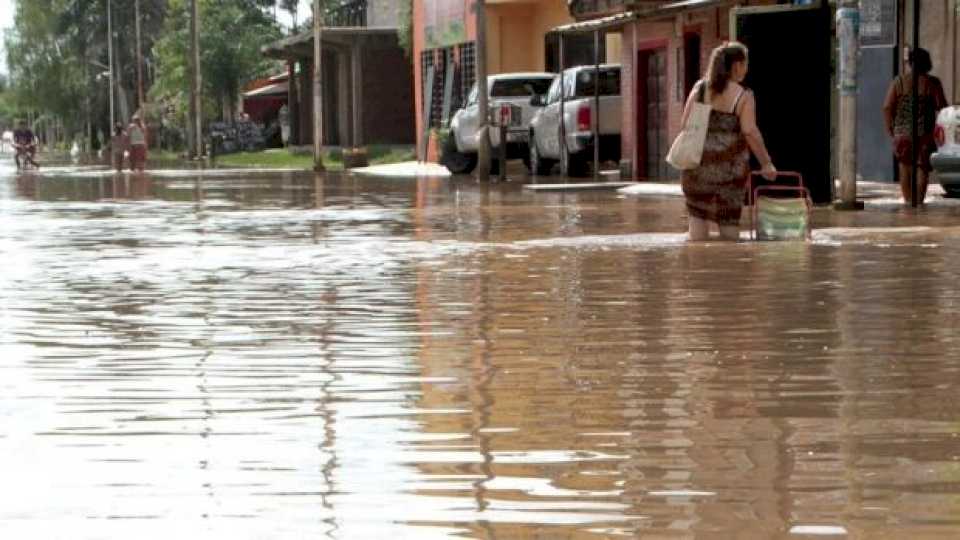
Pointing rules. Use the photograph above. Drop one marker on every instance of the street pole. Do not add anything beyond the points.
(848, 34)
(113, 117)
(196, 104)
(484, 150)
(317, 88)
(914, 101)
(136, 15)
(596, 106)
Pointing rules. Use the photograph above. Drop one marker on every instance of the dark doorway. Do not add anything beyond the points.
(790, 74)
(652, 101)
(691, 61)
(577, 50)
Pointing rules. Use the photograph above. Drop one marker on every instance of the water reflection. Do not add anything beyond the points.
(232, 354)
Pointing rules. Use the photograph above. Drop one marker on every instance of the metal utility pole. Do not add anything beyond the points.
(136, 15)
(848, 33)
(914, 102)
(317, 88)
(484, 151)
(196, 107)
(113, 115)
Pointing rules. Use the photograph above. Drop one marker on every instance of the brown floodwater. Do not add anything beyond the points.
(281, 355)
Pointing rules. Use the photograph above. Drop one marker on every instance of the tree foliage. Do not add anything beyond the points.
(232, 33)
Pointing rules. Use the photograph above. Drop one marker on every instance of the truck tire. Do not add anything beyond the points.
(538, 165)
(576, 165)
(455, 161)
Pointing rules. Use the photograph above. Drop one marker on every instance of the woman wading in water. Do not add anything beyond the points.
(715, 190)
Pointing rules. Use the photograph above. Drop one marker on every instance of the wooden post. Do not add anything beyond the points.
(357, 61)
(136, 15)
(196, 103)
(484, 151)
(113, 115)
(596, 105)
(317, 88)
(848, 34)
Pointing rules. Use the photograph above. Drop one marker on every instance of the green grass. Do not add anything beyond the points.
(332, 159)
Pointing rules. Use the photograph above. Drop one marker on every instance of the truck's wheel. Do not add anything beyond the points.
(455, 161)
(575, 165)
(952, 192)
(536, 164)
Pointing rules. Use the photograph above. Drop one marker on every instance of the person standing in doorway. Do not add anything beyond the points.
(137, 136)
(283, 117)
(715, 190)
(118, 146)
(898, 117)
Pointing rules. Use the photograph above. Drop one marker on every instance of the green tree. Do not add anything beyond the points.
(232, 34)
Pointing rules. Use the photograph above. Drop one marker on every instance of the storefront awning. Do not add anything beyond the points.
(614, 22)
(301, 45)
(270, 90)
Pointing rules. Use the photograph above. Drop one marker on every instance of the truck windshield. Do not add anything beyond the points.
(609, 82)
(520, 87)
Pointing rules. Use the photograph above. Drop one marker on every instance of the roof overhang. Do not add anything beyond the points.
(660, 11)
(301, 45)
(271, 90)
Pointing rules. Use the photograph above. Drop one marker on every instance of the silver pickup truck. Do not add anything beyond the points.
(511, 89)
(579, 110)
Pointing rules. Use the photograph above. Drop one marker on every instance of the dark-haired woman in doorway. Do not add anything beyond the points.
(715, 190)
(898, 116)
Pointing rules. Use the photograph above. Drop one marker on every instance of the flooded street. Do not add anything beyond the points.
(279, 355)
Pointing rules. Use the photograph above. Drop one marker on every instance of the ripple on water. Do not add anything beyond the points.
(487, 364)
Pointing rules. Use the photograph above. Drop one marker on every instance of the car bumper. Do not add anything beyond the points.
(947, 169)
(583, 143)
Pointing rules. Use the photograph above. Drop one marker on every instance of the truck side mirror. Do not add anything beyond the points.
(536, 100)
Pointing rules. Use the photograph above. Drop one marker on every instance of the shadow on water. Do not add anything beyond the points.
(251, 354)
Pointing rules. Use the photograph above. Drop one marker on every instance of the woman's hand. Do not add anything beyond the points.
(769, 172)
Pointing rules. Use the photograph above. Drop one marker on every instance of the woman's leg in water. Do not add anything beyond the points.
(923, 178)
(699, 229)
(904, 178)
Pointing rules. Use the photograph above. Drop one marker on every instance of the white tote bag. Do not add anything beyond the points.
(687, 148)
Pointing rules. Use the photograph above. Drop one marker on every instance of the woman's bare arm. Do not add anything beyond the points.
(748, 125)
(890, 108)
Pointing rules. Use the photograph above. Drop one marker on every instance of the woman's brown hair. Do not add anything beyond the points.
(722, 59)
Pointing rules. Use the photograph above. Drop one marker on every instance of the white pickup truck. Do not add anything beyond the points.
(514, 89)
(946, 161)
(579, 110)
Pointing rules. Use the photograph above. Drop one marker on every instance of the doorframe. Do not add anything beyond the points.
(642, 50)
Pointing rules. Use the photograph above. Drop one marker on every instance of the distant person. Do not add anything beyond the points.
(119, 145)
(137, 140)
(25, 143)
(283, 116)
(898, 117)
(715, 190)
(6, 141)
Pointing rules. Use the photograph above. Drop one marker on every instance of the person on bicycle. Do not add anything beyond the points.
(25, 143)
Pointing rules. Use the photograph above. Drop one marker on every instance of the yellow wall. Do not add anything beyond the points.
(516, 32)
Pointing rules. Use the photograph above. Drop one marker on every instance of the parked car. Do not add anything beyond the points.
(946, 161)
(513, 89)
(546, 146)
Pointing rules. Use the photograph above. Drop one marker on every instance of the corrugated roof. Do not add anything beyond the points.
(654, 12)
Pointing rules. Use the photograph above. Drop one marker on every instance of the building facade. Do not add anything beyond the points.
(368, 84)
(519, 38)
(665, 48)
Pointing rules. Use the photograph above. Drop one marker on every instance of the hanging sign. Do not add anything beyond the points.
(878, 23)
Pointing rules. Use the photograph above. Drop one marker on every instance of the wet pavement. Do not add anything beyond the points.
(277, 355)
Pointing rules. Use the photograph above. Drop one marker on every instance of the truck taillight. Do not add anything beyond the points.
(583, 118)
(939, 136)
